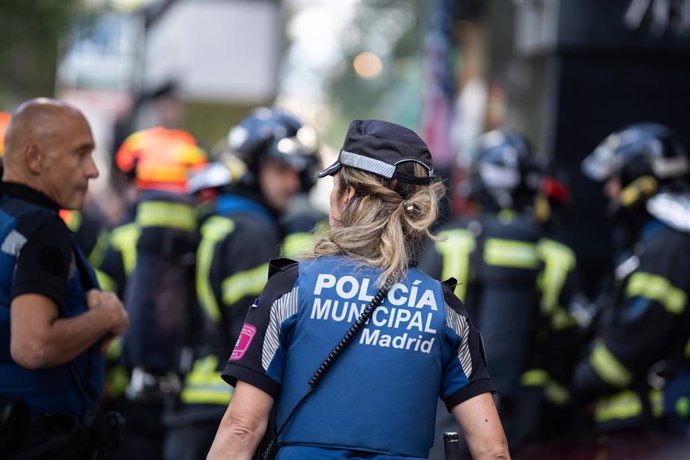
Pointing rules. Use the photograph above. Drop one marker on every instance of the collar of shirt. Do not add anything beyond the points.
(27, 193)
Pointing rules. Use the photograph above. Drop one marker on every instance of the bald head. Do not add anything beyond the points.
(37, 121)
(44, 140)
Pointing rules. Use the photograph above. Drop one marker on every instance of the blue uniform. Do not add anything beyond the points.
(380, 395)
(38, 256)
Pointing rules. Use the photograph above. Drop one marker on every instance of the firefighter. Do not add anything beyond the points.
(273, 156)
(635, 377)
(150, 260)
(515, 280)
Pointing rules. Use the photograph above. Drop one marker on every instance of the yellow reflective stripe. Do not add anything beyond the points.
(249, 282)
(687, 349)
(506, 216)
(98, 252)
(682, 407)
(204, 385)
(559, 260)
(214, 230)
(116, 382)
(295, 245)
(163, 214)
(124, 239)
(455, 250)
(656, 401)
(609, 368)
(106, 282)
(659, 289)
(556, 393)
(114, 349)
(509, 253)
(625, 404)
(561, 319)
(534, 378)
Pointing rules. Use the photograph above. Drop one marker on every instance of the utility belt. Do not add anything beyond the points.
(147, 387)
(58, 436)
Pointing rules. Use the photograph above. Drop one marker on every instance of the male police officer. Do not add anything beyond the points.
(54, 319)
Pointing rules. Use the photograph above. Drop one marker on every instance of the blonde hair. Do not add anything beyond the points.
(385, 222)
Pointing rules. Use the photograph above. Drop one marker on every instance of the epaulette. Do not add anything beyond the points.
(279, 265)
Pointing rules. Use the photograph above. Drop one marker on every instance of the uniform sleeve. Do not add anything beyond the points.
(45, 261)
(258, 356)
(465, 372)
(240, 271)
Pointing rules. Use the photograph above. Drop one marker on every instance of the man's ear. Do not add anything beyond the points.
(33, 157)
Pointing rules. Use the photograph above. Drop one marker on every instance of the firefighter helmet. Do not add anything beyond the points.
(646, 157)
(274, 133)
(505, 172)
(160, 159)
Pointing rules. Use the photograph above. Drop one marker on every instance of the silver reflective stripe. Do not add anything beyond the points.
(669, 167)
(14, 242)
(460, 326)
(358, 161)
(283, 308)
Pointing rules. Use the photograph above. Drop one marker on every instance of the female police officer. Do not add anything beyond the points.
(379, 398)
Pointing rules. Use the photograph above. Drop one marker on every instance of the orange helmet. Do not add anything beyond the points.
(160, 158)
(4, 121)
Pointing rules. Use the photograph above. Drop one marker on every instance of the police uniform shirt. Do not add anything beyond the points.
(380, 395)
(39, 257)
(43, 264)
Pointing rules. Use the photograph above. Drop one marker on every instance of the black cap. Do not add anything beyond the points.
(378, 147)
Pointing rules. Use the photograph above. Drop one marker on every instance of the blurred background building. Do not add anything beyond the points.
(564, 72)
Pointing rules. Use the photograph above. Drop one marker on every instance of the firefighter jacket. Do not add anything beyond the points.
(647, 336)
(237, 242)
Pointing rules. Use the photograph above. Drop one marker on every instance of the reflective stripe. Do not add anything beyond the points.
(99, 249)
(554, 392)
(214, 230)
(625, 404)
(124, 239)
(687, 349)
(246, 283)
(682, 407)
(455, 251)
(561, 319)
(656, 402)
(659, 289)
(609, 368)
(204, 385)
(295, 245)
(559, 260)
(164, 214)
(509, 253)
(106, 282)
(534, 378)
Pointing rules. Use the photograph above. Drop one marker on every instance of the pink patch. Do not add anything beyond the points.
(243, 341)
